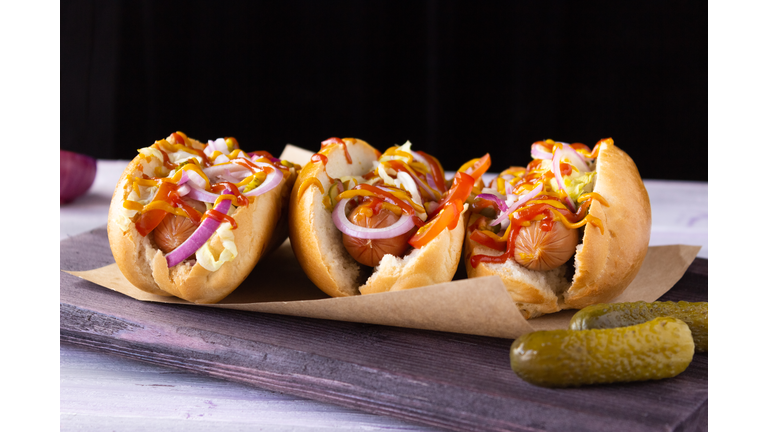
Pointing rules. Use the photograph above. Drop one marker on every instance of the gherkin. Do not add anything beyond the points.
(603, 316)
(661, 348)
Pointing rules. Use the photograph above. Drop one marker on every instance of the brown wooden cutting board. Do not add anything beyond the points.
(454, 381)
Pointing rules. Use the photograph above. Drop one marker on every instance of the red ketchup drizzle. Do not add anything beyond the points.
(335, 140)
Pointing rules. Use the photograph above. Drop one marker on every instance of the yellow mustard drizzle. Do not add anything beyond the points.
(308, 182)
(154, 205)
(594, 195)
(588, 219)
(222, 197)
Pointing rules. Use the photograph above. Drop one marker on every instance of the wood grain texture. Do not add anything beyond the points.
(453, 381)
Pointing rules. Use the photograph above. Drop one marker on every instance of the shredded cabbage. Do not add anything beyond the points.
(576, 183)
(126, 215)
(205, 255)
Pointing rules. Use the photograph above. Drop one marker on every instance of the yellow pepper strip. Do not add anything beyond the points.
(501, 185)
(468, 165)
(596, 196)
(589, 219)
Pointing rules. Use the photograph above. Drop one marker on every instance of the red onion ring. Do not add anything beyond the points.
(273, 179)
(402, 226)
(199, 237)
(538, 151)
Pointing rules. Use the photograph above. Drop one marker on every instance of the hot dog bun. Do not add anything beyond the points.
(318, 245)
(144, 265)
(605, 263)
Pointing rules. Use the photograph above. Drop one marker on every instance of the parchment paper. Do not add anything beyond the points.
(479, 306)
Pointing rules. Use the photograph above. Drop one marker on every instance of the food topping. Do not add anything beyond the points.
(539, 208)
(216, 177)
(397, 205)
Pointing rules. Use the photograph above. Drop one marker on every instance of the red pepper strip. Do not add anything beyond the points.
(437, 171)
(481, 166)
(447, 218)
(460, 190)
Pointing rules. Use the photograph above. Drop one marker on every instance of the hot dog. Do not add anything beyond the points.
(363, 222)
(191, 220)
(569, 230)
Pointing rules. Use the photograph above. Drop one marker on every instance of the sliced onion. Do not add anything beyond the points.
(199, 237)
(219, 145)
(183, 190)
(431, 181)
(226, 169)
(76, 175)
(538, 151)
(273, 179)
(513, 205)
(559, 177)
(402, 226)
(196, 179)
(201, 194)
(501, 205)
(574, 158)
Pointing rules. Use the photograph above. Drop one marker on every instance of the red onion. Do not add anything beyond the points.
(538, 151)
(77, 173)
(273, 179)
(501, 205)
(201, 194)
(218, 145)
(199, 237)
(400, 227)
(574, 158)
(512, 206)
(559, 176)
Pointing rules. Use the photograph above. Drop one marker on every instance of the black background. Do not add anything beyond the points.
(458, 79)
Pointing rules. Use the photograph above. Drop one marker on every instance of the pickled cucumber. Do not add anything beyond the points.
(661, 348)
(603, 316)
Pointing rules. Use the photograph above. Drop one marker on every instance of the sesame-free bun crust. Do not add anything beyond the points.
(144, 265)
(317, 243)
(605, 263)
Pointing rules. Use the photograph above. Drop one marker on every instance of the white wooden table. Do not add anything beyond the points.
(103, 392)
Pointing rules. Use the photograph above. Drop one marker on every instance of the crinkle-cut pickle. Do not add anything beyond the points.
(657, 349)
(612, 315)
